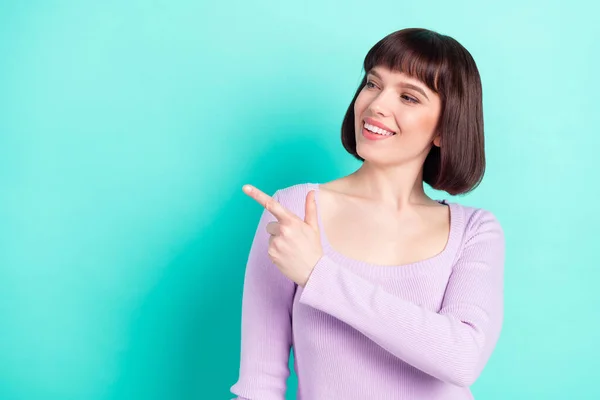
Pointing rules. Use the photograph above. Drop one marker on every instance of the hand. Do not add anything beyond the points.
(295, 244)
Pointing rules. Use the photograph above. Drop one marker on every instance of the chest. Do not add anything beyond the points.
(376, 236)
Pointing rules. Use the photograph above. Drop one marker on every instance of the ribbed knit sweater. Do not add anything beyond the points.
(360, 331)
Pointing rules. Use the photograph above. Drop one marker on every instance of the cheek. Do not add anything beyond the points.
(357, 111)
(429, 122)
(418, 120)
(359, 105)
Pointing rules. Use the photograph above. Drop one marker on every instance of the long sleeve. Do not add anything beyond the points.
(266, 336)
(453, 344)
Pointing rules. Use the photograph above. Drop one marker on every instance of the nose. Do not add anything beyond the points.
(380, 105)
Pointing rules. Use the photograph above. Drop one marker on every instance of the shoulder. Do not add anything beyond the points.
(481, 225)
(294, 192)
(299, 189)
(294, 197)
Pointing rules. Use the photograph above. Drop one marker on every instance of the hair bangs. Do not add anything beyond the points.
(419, 55)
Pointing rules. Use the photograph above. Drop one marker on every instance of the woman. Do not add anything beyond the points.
(382, 292)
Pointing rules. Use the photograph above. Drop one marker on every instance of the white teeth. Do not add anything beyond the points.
(377, 130)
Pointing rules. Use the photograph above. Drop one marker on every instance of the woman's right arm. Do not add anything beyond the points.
(266, 323)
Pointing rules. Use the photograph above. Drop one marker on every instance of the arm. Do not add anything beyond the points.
(452, 345)
(266, 323)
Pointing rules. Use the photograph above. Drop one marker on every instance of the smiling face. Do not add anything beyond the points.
(401, 104)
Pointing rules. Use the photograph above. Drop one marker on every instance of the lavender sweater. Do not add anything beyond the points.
(363, 331)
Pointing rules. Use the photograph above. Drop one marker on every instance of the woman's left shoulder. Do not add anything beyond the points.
(478, 220)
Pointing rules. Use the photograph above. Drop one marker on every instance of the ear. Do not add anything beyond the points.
(436, 141)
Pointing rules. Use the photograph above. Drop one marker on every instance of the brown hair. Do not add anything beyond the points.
(448, 69)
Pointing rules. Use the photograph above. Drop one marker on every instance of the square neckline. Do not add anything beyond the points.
(447, 254)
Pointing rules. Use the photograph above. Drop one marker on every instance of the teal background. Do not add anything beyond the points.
(127, 130)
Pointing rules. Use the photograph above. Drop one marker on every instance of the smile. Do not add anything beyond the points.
(374, 135)
(377, 130)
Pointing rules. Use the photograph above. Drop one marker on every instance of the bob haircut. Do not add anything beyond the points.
(448, 69)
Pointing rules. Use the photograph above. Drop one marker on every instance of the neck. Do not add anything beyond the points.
(397, 187)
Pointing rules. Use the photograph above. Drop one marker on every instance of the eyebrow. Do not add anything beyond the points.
(402, 84)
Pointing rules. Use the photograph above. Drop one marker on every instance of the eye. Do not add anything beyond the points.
(370, 83)
(409, 99)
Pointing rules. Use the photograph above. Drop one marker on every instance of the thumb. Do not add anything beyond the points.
(310, 215)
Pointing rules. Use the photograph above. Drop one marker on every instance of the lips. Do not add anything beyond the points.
(374, 136)
(378, 124)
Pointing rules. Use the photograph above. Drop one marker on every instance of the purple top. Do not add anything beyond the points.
(360, 331)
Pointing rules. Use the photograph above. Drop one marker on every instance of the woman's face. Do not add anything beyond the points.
(405, 106)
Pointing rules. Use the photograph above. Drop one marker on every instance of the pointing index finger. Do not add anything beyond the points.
(268, 202)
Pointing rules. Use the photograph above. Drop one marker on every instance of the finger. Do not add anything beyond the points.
(310, 215)
(267, 202)
(273, 228)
